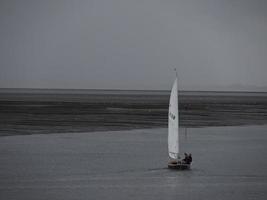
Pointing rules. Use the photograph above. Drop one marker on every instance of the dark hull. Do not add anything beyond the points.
(178, 166)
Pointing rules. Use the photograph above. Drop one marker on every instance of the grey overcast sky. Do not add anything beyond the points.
(134, 44)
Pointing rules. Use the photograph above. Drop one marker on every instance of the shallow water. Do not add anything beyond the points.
(228, 163)
(60, 111)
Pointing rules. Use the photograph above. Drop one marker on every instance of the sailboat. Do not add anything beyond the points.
(173, 131)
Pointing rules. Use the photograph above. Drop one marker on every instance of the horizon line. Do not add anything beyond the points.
(230, 91)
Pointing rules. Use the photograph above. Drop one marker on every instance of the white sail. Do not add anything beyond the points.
(173, 134)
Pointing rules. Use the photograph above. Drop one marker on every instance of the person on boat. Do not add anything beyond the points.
(185, 160)
(190, 158)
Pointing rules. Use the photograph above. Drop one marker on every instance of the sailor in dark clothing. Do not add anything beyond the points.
(187, 159)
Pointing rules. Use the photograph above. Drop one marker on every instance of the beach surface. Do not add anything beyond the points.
(30, 111)
(228, 163)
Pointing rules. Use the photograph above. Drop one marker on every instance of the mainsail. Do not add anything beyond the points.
(173, 126)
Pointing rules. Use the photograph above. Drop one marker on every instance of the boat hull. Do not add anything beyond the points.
(179, 166)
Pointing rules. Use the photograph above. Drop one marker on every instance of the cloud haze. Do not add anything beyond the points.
(123, 44)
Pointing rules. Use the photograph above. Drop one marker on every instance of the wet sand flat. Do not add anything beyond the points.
(61, 111)
(228, 163)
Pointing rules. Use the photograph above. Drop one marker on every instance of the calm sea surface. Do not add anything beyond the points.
(128, 158)
(229, 163)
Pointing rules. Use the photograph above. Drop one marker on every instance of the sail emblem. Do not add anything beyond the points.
(172, 115)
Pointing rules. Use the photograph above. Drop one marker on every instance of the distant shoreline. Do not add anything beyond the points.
(120, 91)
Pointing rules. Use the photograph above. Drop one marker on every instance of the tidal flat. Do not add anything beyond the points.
(26, 112)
